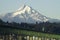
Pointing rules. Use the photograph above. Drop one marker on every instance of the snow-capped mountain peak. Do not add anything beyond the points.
(25, 14)
(23, 9)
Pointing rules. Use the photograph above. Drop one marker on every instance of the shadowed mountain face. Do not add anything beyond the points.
(27, 14)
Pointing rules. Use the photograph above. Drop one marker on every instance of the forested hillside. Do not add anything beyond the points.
(45, 27)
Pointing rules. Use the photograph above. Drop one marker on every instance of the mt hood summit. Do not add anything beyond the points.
(26, 14)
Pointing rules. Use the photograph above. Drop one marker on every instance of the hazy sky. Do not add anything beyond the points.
(49, 8)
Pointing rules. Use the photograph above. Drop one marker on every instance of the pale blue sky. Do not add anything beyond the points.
(49, 8)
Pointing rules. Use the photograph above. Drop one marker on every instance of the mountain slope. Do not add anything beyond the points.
(27, 15)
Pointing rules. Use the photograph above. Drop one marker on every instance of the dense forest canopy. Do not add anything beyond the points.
(45, 27)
